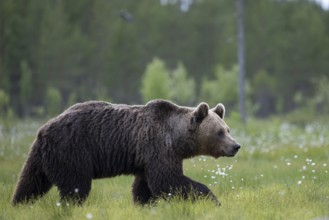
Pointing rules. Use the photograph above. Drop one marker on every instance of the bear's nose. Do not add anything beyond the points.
(237, 146)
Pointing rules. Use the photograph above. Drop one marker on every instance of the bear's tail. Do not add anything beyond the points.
(32, 182)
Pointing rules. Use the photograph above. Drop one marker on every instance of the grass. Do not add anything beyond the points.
(282, 172)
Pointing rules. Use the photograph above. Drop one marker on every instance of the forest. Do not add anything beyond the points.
(54, 53)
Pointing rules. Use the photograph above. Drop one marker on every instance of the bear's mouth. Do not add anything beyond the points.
(223, 153)
(231, 153)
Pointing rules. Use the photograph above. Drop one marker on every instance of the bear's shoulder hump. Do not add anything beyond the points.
(162, 106)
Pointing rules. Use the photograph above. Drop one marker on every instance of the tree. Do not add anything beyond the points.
(4, 103)
(241, 60)
(156, 81)
(85, 49)
(182, 88)
(25, 87)
(53, 101)
(222, 88)
(288, 40)
(61, 53)
(264, 88)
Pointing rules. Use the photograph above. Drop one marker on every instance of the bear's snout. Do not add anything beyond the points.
(237, 147)
(232, 150)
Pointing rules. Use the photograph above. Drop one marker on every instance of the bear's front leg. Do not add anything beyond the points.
(201, 190)
(171, 181)
(141, 192)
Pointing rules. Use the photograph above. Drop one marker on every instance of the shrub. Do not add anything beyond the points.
(156, 81)
(182, 88)
(53, 101)
(264, 88)
(321, 97)
(223, 88)
(4, 103)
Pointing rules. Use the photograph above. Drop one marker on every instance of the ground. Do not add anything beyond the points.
(281, 172)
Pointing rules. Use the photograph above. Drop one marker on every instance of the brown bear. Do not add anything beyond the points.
(95, 139)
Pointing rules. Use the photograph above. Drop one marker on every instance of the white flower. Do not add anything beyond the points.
(89, 216)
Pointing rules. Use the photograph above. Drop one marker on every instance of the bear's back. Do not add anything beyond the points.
(88, 106)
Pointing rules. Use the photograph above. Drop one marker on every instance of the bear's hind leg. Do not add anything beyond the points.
(141, 192)
(32, 183)
(33, 188)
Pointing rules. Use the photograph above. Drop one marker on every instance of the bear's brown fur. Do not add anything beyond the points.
(94, 140)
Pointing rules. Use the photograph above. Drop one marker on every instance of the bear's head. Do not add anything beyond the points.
(212, 133)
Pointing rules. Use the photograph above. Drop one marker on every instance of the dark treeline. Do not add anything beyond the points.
(70, 51)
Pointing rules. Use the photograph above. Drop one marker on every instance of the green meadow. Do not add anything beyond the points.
(281, 172)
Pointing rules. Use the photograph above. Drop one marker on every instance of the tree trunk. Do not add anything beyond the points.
(241, 60)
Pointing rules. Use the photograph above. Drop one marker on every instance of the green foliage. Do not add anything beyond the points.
(310, 108)
(263, 82)
(61, 50)
(264, 87)
(156, 81)
(223, 88)
(85, 47)
(54, 101)
(321, 97)
(4, 103)
(278, 43)
(182, 88)
(72, 99)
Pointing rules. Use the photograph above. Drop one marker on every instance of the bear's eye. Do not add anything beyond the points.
(220, 133)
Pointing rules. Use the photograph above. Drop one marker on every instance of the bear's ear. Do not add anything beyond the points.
(200, 113)
(219, 110)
